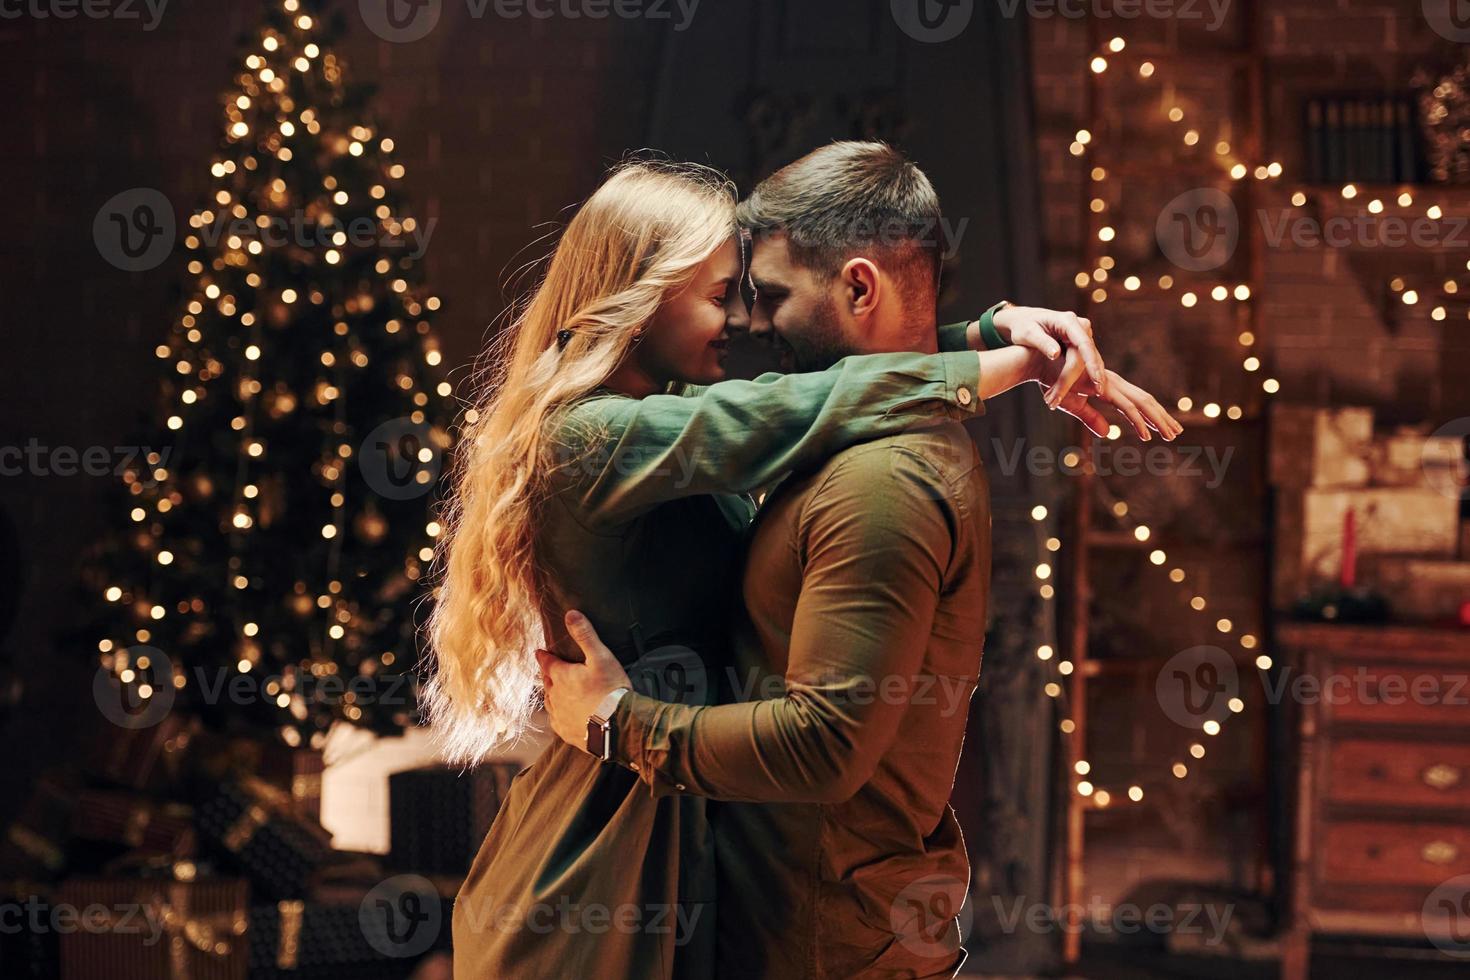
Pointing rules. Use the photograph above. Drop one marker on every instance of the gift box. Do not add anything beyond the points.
(149, 758)
(29, 947)
(145, 827)
(1421, 588)
(1315, 447)
(1402, 521)
(438, 816)
(255, 828)
(296, 771)
(142, 929)
(310, 940)
(34, 844)
(1412, 457)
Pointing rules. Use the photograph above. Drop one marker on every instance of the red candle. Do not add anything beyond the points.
(1349, 575)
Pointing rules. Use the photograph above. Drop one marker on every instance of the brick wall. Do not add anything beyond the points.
(1332, 334)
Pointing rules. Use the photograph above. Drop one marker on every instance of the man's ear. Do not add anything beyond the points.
(862, 286)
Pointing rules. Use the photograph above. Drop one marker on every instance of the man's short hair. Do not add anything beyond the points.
(848, 198)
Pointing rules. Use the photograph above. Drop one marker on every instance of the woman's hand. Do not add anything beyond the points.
(1049, 332)
(1142, 409)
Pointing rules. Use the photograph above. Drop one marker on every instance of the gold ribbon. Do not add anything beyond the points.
(245, 827)
(136, 824)
(36, 846)
(269, 801)
(307, 786)
(291, 913)
(211, 935)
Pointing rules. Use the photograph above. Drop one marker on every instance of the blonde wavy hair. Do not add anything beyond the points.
(637, 240)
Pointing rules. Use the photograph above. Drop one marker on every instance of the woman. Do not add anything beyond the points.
(587, 485)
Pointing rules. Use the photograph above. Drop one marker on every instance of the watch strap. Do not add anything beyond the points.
(990, 336)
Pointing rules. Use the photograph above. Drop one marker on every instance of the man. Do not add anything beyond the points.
(865, 591)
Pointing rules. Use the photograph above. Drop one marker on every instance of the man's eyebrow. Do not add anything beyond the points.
(765, 285)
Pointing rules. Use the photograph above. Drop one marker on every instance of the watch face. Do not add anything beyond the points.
(599, 739)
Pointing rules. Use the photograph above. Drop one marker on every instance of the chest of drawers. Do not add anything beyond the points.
(1381, 817)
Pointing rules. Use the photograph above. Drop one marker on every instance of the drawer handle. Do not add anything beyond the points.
(1442, 776)
(1439, 852)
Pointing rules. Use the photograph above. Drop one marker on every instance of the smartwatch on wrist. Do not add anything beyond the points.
(599, 726)
(990, 336)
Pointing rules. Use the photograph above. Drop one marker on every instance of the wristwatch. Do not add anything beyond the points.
(599, 726)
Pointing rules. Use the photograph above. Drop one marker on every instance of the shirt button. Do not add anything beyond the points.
(965, 397)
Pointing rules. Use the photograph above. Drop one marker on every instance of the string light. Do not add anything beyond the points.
(1251, 363)
(289, 90)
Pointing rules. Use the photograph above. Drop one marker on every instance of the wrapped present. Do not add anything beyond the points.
(29, 946)
(310, 940)
(154, 929)
(1412, 457)
(1403, 521)
(296, 771)
(438, 816)
(145, 827)
(1421, 588)
(1317, 447)
(255, 828)
(149, 758)
(34, 844)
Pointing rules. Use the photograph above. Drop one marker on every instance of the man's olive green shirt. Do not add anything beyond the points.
(865, 590)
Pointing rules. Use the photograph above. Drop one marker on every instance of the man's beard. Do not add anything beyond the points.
(821, 342)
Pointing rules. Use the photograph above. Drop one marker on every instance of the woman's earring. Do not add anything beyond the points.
(563, 337)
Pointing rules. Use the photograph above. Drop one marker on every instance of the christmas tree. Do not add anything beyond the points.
(267, 577)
